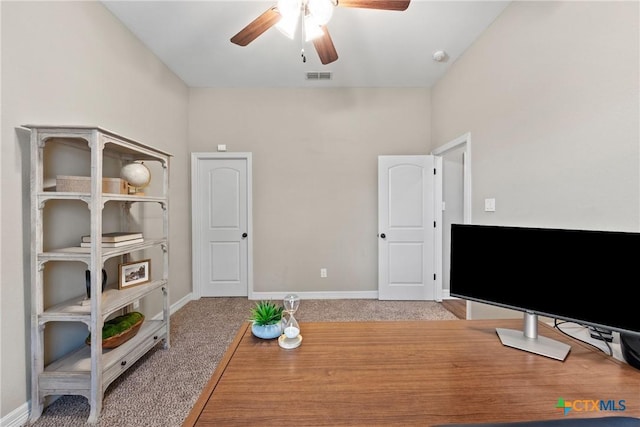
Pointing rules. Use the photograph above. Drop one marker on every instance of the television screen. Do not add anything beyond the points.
(589, 277)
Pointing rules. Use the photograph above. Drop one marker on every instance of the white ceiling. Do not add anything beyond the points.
(375, 48)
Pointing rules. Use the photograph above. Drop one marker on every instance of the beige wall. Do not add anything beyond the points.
(314, 174)
(550, 94)
(74, 63)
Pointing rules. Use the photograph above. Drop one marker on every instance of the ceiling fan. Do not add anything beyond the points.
(313, 16)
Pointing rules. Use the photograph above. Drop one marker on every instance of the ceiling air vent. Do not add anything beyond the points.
(319, 75)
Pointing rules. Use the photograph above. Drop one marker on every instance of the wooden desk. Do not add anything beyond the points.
(418, 373)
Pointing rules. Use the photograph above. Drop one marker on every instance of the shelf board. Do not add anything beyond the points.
(74, 133)
(71, 374)
(106, 197)
(79, 310)
(77, 253)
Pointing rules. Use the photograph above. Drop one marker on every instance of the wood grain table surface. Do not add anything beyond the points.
(409, 373)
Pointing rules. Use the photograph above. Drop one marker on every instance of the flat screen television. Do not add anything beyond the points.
(584, 276)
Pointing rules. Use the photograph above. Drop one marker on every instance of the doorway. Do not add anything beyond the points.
(221, 198)
(456, 196)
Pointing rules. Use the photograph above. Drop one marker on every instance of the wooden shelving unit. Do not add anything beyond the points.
(88, 370)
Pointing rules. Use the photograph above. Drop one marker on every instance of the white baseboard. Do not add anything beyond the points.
(16, 418)
(316, 295)
(181, 302)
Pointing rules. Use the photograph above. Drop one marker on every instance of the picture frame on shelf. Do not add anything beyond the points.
(134, 273)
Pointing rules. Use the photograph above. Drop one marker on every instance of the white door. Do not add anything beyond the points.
(221, 199)
(407, 227)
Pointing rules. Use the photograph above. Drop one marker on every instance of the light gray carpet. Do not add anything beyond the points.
(160, 389)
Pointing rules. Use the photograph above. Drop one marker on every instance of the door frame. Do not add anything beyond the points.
(196, 157)
(463, 141)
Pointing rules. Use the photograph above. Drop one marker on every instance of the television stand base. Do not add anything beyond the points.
(538, 345)
(601, 334)
(630, 345)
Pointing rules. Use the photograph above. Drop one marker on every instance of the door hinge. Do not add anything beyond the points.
(434, 224)
(434, 171)
(434, 276)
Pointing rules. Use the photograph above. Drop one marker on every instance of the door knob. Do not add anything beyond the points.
(244, 235)
(383, 235)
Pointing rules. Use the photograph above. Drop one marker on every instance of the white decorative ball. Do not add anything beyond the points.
(136, 174)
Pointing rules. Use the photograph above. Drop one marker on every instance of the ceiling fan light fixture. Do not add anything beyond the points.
(288, 25)
(289, 8)
(290, 12)
(312, 29)
(321, 10)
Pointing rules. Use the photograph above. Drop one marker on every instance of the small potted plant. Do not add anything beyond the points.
(267, 320)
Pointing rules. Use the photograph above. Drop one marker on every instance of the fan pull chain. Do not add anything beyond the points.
(302, 35)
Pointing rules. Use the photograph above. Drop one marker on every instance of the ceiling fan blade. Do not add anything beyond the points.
(376, 4)
(258, 26)
(325, 48)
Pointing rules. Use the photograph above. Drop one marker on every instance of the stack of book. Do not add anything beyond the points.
(114, 240)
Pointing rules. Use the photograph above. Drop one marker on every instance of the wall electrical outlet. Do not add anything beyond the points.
(136, 304)
(323, 272)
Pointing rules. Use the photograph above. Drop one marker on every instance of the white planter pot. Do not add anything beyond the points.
(267, 332)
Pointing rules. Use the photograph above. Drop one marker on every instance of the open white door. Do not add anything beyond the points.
(221, 216)
(407, 227)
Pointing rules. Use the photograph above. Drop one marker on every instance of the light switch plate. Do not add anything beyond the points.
(489, 205)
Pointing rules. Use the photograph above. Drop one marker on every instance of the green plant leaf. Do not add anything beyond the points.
(266, 313)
